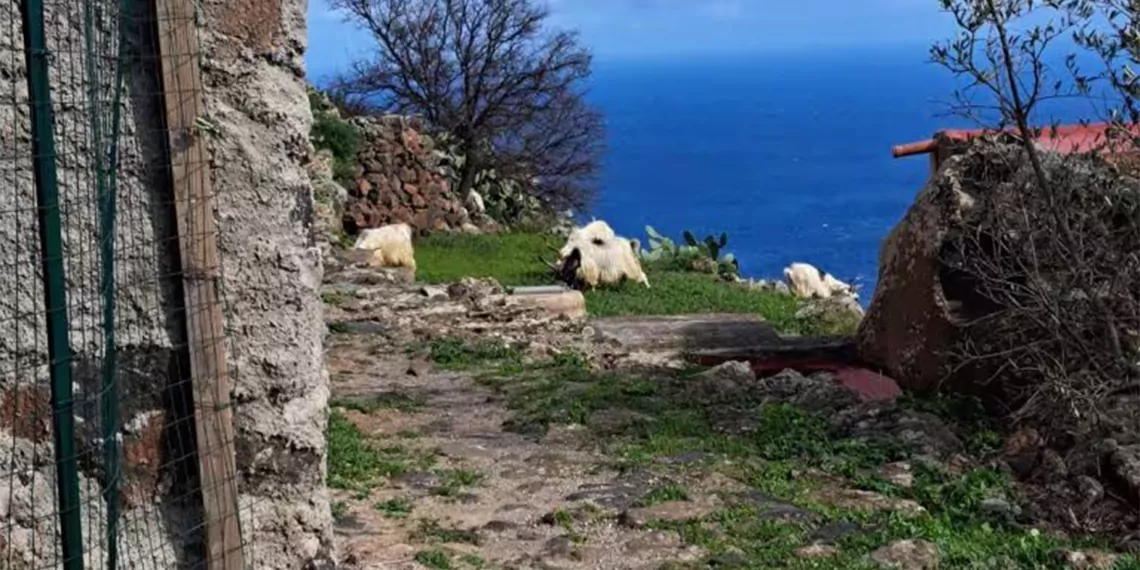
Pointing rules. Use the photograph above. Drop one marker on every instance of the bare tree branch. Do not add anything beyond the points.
(491, 74)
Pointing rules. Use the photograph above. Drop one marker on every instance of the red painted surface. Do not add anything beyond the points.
(1066, 139)
(871, 386)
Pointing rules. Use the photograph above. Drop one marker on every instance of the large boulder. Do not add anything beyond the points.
(911, 322)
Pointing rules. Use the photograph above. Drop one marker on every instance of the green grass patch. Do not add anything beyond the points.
(664, 494)
(512, 258)
(454, 481)
(674, 293)
(358, 463)
(339, 510)
(335, 298)
(456, 354)
(435, 558)
(397, 508)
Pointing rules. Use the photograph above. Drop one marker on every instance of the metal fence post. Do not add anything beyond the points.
(55, 293)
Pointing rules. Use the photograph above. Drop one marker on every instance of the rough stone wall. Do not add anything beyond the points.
(398, 180)
(255, 97)
(253, 54)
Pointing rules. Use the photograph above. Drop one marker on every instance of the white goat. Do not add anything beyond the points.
(807, 281)
(595, 232)
(602, 257)
(391, 246)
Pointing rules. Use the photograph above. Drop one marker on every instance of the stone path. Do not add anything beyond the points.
(522, 480)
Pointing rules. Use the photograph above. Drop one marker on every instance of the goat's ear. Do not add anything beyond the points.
(636, 245)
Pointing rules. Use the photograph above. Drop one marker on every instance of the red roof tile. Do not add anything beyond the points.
(1065, 139)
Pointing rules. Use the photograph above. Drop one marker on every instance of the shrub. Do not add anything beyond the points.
(330, 132)
(1044, 282)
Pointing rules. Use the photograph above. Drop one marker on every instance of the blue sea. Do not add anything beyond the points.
(788, 154)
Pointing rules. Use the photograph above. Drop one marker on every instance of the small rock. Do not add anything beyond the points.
(418, 368)
(1051, 466)
(434, 293)
(771, 508)
(869, 501)
(671, 511)
(500, 526)
(528, 534)
(723, 382)
(1089, 489)
(562, 547)
(1124, 466)
(999, 508)
(907, 555)
(817, 392)
(420, 480)
(1022, 451)
(654, 540)
(834, 532)
(898, 473)
(1088, 559)
(731, 557)
(816, 551)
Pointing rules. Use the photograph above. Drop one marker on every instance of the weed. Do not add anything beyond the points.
(457, 354)
(357, 463)
(397, 508)
(472, 560)
(338, 327)
(455, 480)
(335, 298)
(339, 510)
(435, 558)
(431, 531)
(664, 494)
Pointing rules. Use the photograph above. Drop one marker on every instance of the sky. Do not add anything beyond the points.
(647, 29)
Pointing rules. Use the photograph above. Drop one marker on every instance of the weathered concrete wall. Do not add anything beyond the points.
(253, 53)
(255, 96)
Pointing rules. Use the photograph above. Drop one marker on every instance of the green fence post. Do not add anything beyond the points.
(55, 293)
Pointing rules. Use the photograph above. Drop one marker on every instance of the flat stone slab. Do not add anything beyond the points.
(685, 333)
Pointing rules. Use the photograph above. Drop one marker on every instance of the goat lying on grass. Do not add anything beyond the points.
(594, 255)
(391, 246)
(806, 282)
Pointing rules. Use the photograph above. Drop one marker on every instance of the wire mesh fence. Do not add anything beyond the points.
(116, 449)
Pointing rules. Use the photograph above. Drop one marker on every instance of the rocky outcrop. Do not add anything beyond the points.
(910, 321)
(398, 179)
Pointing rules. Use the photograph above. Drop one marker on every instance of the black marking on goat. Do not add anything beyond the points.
(569, 271)
(822, 274)
(598, 241)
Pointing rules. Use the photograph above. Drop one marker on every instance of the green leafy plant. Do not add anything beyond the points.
(330, 132)
(702, 256)
(505, 198)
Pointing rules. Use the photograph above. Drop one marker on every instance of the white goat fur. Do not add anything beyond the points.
(605, 257)
(807, 281)
(391, 245)
(596, 230)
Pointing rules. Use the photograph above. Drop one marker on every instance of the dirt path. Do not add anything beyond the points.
(515, 481)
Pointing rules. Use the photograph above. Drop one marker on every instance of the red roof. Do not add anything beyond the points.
(1066, 139)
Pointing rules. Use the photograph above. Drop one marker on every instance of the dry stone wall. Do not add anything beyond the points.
(255, 98)
(398, 179)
